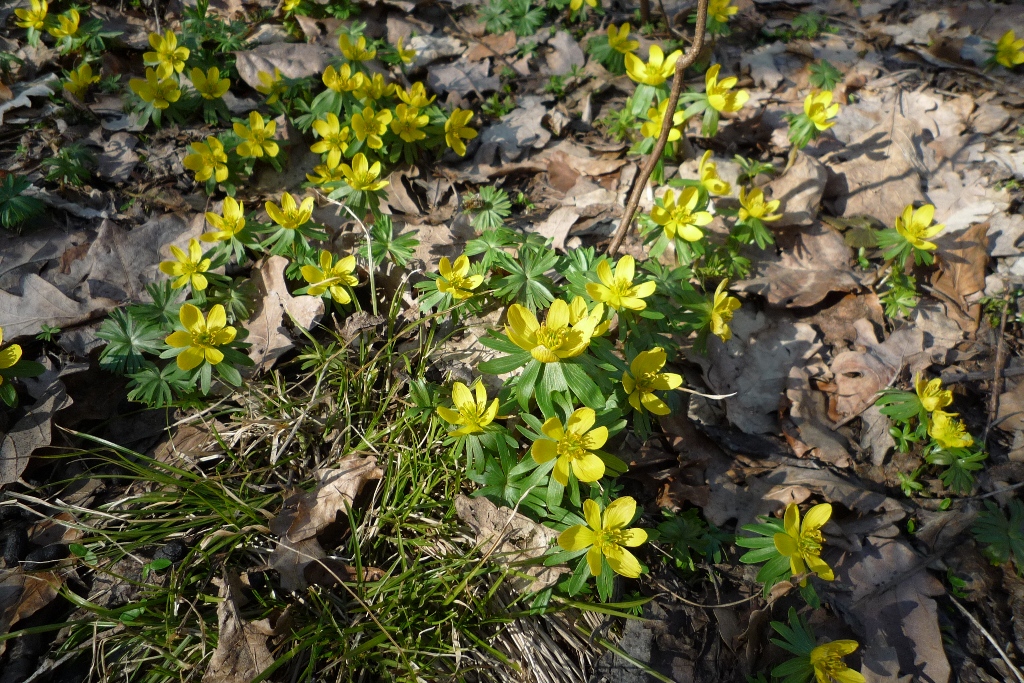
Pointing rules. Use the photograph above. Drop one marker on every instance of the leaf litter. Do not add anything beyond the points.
(810, 354)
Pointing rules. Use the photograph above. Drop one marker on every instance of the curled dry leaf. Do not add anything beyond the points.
(755, 364)
(509, 537)
(267, 334)
(242, 653)
(22, 595)
(961, 275)
(799, 190)
(893, 610)
(813, 263)
(860, 375)
(294, 60)
(305, 515)
(31, 432)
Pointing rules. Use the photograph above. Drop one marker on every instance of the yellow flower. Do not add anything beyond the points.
(35, 17)
(373, 89)
(555, 339)
(656, 71)
(607, 537)
(470, 415)
(201, 337)
(916, 226)
(828, 664)
(331, 276)
(67, 25)
(208, 159)
(333, 139)
(652, 128)
(819, 109)
(721, 10)
(578, 311)
(370, 126)
(455, 279)
(209, 84)
(361, 176)
(709, 176)
(230, 224)
(931, 394)
(257, 137)
(618, 290)
(618, 39)
(322, 173)
(188, 268)
(645, 377)
(344, 80)
(158, 92)
(802, 542)
(9, 356)
(573, 445)
(456, 129)
(720, 93)
(947, 431)
(575, 5)
(355, 52)
(405, 55)
(271, 86)
(753, 205)
(1009, 50)
(721, 311)
(79, 80)
(679, 218)
(167, 57)
(407, 123)
(416, 96)
(290, 215)
(290, 5)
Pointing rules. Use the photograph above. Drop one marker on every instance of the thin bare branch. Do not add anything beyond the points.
(666, 125)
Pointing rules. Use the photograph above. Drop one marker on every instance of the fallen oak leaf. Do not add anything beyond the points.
(267, 334)
(23, 594)
(335, 492)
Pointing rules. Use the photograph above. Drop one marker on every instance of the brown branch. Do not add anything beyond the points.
(645, 11)
(666, 125)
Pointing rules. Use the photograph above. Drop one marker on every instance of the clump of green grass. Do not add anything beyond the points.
(435, 610)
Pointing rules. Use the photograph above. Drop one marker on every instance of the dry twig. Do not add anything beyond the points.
(666, 125)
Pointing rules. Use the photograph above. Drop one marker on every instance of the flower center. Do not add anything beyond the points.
(645, 382)
(552, 338)
(610, 537)
(571, 446)
(457, 281)
(831, 664)
(204, 338)
(809, 543)
(621, 287)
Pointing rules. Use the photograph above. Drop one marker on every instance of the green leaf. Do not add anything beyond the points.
(582, 385)
(128, 339)
(15, 209)
(1002, 537)
(499, 366)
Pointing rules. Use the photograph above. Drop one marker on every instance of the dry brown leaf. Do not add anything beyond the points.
(566, 53)
(492, 46)
(463, 77)
(429, 49)
(291, 559)
(30, 433)
(267, 333)
(336, 489)
(294, 60)
(242, 652)
(813, 263)
(21, 595)
(557, 225)
(510, 537)
(894, 611)
(800, 190)
(43, 304)
(328, 572)
(809, 413)
(754, 365)
(860, 375)
(1011, 409)
(961, 274)
(837, 321)
(879, 173)
(518, 131)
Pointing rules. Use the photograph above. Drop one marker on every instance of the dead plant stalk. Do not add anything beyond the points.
(666, 125)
